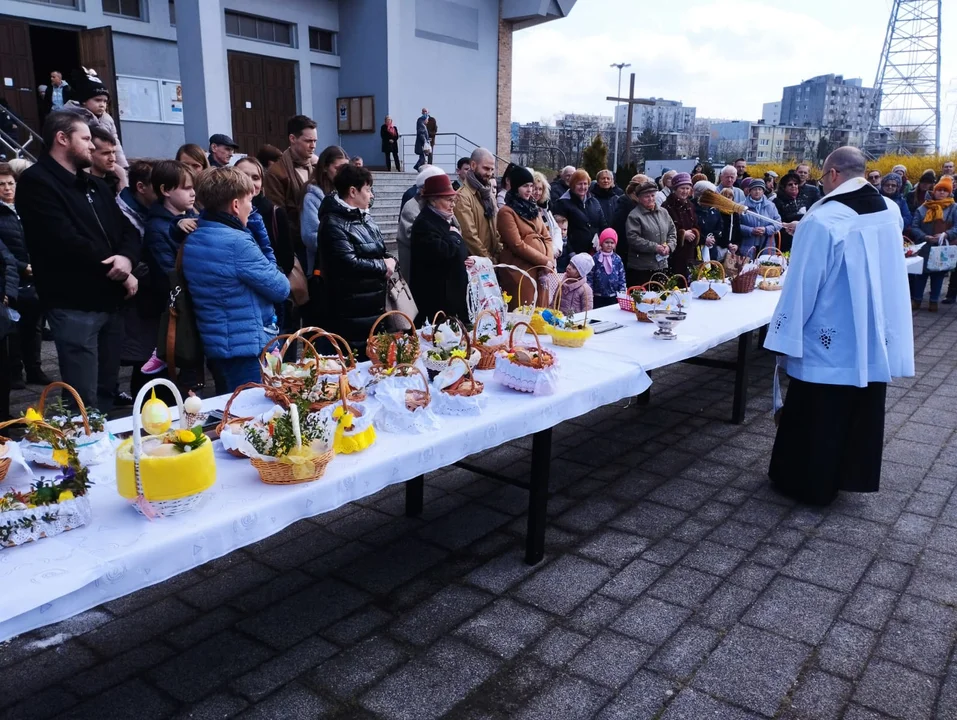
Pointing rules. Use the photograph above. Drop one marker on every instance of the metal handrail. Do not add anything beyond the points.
(17, 147)
(457, 136)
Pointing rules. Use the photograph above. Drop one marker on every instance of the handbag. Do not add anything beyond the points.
(399, 297)
(426, 148)
(298, 289)
(942, 257)
(179, 343)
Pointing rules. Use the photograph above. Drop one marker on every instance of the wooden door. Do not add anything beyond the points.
(247, 100)
(16, 73)
(280, 96)
(262, 96)
(96, 53)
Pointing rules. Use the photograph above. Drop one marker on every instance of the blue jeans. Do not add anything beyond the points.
(420, 162)
(230, 373)
(919, 282)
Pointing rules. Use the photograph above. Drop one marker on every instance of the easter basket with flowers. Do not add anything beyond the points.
(645, 298)
(526, 368)
(450, 344)
(389, 350)
(676, 291)
(170, 470)
(487, 336)
(48, 507)
(773, 263)
(709, 282)
(291, 446)
(355, 430)
(85, 426)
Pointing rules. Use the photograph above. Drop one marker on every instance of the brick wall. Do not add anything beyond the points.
(503, 135)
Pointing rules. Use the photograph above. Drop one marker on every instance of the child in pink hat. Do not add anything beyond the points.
(607, 278)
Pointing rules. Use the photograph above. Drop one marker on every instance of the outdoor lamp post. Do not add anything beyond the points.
(620, 66)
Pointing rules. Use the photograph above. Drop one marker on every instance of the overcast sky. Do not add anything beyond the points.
(725, 57)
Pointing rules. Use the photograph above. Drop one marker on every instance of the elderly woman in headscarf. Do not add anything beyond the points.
(892, 187)
(541, 194)
(606, 192)
(791, 207)
(651, 237)
(683, 215)
(714, 243)
(526, 242)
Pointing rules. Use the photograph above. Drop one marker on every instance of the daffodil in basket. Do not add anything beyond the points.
(292, 446)
(85, 426)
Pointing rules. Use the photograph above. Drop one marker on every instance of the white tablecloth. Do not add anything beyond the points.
(121, 552)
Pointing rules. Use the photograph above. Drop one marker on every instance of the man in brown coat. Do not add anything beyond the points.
(286, 178)
(475, 209)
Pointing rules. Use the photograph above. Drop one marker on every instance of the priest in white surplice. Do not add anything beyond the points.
(843, 330)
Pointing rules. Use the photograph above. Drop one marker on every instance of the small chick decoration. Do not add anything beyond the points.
(156, 415)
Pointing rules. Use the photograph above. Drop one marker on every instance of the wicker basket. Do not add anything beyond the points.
(37, 452)
(518, 375)
(436, 319)
(163, 486)
(743, 283)
(279, 473)
(378, 344)
(774, 270)
(770, 282)
(280, 387)
(711, 293)
(226, 421)
(486, 352)
(649, 286)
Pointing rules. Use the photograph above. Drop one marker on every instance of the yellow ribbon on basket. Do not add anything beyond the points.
(301, 460)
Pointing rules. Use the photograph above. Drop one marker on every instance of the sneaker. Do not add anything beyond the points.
(153, 365)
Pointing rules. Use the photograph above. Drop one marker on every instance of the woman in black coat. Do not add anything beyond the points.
(606, 193)
(584, 215)
(439, 280)
(390, 144)
(352, 260)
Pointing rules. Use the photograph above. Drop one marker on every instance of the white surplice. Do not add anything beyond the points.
(844, 316)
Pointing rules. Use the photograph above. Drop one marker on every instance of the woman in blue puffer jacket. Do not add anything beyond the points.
(232, 284)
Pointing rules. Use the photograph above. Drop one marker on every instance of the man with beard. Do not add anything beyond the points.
(83, 250)
(475, 209)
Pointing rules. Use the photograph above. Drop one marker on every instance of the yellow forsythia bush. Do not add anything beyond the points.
(915, 164)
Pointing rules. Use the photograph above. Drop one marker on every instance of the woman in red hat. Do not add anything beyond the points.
(437, 278)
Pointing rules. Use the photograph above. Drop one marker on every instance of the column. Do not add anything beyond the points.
(503, 135)
(203, 70)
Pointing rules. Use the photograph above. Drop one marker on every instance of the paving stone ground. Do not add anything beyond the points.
(675, 585)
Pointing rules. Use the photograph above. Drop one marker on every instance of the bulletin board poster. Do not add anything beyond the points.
(356, 114)
(152, 100)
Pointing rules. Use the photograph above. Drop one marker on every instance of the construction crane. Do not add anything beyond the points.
(909, 77)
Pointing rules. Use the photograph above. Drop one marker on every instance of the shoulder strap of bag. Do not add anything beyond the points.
(275, 226)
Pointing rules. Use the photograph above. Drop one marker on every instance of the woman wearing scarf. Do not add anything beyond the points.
(541, 194)
(934, 222)
(390, 144)
(438, 278)
(526, 242)
(683, 214)
(916, 197)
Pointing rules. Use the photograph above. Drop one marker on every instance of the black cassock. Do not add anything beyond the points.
(830, 438)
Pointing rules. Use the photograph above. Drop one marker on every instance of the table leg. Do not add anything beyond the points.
(414, 494)
(741, 379)
(762, 335)
(538, 496)
(644, 399)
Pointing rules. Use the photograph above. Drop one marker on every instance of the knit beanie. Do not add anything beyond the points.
(945, 183)
(519, 176)
(87, 84)
(608, 234)
(426, 173)
(583, 263)
(681, 178)
(755, 183)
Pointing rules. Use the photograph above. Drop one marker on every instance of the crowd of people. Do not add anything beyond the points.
(96, 246)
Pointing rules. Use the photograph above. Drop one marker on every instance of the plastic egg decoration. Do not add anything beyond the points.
(156, 416)
(193, 405)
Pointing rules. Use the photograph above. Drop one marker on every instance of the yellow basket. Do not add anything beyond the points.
(569, 338)
(171, 484)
